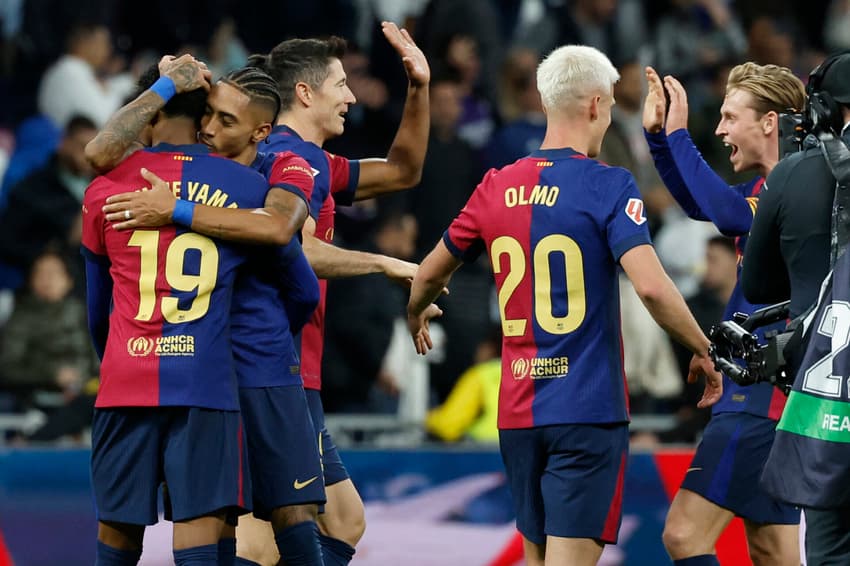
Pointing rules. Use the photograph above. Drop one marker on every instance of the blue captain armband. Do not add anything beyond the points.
(165, 88)
(184, 211)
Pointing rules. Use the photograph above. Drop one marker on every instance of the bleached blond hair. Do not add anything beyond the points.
(571, 73)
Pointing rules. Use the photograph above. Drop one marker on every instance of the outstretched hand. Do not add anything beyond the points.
(141, 209)
(419, 328)
(415, 63)
(704, 366)
(655, 103)
(677, 115)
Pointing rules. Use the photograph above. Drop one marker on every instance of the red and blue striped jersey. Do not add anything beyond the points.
(332, 176)
(169, 329)
(703, 195)
(263, 345)
(554, 225)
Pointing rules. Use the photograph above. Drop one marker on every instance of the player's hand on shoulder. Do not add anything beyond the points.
(187, 72)
(415, 63)
(654, 104)
(419, 328)
(702, 365)
(677, 115)
(141, 209)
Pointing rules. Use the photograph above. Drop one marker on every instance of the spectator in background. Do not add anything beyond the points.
(449, 176)
(360, 317)
(771, 42)
(721, 275)
(624, 145)
(71, 86)
(45, 206)
(451, 169)
(476, 20)
(696, 34)
(836, 29)
(477, 120)
(472, 407)
(520, 109)
(45, 343)
(615, 27)
(35, 140)
(680, 242)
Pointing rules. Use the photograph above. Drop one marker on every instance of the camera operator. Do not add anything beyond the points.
(788, 256)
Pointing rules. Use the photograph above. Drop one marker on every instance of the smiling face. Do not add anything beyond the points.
(331, 100)
(743, 130)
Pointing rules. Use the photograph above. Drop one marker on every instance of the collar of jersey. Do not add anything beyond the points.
(284, 129)
(188, 149)
(560, 153)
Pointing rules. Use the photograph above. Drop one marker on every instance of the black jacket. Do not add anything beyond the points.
(787, 254)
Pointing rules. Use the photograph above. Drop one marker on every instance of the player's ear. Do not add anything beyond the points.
(768, 122)
(261, 132)
(304, 93)
(594, 107)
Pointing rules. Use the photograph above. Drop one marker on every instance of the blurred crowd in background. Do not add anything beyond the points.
(65, 67)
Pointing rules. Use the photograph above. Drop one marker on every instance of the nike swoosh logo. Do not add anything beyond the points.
(302, 484)
(693, 470)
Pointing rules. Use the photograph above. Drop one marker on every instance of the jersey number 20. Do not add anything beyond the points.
(542, 279)
(175, 275)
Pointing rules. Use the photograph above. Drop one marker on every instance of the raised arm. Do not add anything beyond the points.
(402, 167)
(119, 137)
(722, 204)
(654, 110)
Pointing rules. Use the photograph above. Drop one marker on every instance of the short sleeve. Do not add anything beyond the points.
(463, 238)
(625, 225)
(93, 240)
(292, 173)
(345, 176)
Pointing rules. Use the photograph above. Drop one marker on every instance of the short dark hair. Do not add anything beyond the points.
(299, 60)
(258, 85)
(190, 104)
(79, 122)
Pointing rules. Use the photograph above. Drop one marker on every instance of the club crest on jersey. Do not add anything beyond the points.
(140, 346)
(634, 208)
(520, 368)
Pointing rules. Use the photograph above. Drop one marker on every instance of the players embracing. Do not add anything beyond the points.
(159, 300)
(316, 98)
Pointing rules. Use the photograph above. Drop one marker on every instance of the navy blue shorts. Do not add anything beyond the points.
(283, 451)
(727, 467)
(567, 480)
(198, 452)
(332, 465)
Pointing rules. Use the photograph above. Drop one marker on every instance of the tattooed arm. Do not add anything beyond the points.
(120, 136)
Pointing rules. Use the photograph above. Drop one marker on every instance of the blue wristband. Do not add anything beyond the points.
(164, 87)
(184, 210)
